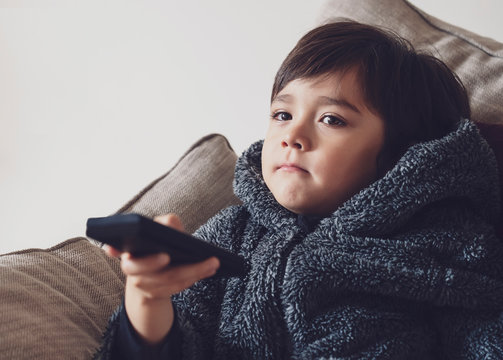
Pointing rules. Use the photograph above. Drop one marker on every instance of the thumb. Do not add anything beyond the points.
(171, 220)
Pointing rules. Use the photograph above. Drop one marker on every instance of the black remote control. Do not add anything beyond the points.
(141, 236)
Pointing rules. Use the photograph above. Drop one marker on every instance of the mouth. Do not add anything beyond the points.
(291, 167)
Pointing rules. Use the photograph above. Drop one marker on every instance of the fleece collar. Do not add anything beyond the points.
(458, 165)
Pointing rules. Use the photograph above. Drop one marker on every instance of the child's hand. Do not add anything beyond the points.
(151, 282)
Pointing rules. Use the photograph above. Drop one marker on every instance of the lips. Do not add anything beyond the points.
(291, 167)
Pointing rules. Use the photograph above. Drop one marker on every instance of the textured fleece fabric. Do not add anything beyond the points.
(408, 268)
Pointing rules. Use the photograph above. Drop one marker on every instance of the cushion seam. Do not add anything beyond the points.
(51, 249)
(136, 198)
(456, 35)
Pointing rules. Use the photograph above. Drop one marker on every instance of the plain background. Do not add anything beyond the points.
(98, 98)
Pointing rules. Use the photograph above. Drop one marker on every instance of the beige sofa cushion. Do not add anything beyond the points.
(55, 303)
(195, 188)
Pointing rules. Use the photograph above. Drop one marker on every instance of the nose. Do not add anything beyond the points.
(297, 137)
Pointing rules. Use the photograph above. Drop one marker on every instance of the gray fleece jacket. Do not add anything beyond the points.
(408, 268)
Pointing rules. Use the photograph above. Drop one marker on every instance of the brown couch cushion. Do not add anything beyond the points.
(56, 302)
(197, 187)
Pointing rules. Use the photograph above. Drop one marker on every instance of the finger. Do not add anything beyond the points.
(143, 265)
(182, 277)
(111, 251)
(175, 279)
(171, 220)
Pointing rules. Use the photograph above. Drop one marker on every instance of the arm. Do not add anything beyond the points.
(199, 307)
(194, 330)
(150, 284)
(128, 345)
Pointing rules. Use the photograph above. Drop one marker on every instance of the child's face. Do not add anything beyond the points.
(321, 145)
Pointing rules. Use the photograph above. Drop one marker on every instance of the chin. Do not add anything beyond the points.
(290, 207)
(297, 208)
(310, 210)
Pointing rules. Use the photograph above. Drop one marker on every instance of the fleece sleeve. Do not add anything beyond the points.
(199, 307)
(128, 346)
(120, 341)
(197, 313)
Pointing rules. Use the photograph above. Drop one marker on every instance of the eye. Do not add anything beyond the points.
(282, 116)
(332, 120)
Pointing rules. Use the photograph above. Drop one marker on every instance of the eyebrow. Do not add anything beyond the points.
(285, 98)
(323, 100)
(326, 100)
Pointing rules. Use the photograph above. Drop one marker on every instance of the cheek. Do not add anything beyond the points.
(362, 169)
(266, 161)
(349, 168)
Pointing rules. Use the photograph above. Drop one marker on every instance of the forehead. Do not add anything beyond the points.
(344, 85)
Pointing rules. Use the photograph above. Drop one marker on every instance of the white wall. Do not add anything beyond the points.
(97, 98)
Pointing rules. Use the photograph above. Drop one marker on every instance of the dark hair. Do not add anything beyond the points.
(416, 94)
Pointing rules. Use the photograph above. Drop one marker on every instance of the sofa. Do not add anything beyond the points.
(56, 302)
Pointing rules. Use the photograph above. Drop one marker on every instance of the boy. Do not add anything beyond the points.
(366, 222)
